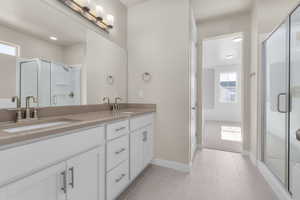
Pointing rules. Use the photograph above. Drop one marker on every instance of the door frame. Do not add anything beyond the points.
(194, 44)
(243, 87)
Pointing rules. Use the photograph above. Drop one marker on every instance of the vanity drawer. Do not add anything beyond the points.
(141, 121)
(117, 129)
(117, 180)
(117, 151)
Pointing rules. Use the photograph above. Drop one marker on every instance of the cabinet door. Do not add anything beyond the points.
(82, 176)
(136, 153)
(148, 145)
(47, 184)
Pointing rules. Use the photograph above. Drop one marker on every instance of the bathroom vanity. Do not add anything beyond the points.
(93, 156)
(59, 138)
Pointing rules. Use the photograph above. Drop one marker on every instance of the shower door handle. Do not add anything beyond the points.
(278, 102)
(298, 134)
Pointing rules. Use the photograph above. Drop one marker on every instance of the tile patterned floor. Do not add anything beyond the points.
(216, 175)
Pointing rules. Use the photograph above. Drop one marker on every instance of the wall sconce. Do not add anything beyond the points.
(95, 16)
(146, 76)
(110, 79)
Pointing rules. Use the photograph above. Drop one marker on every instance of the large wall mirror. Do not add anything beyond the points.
(47, 53)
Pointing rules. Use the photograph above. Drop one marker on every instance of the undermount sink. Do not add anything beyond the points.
(37, 125)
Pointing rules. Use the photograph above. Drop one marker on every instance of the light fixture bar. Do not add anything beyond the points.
(86, 13)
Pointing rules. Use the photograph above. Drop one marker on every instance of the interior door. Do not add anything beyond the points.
(44, 185)
(82, 175)
(276, 90)
(294, 128)
(193, 99)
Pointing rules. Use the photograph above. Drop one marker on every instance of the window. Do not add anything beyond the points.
(9, 49)
(231, 133)
(228, 87)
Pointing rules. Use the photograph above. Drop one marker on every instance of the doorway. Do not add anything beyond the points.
(222, 92)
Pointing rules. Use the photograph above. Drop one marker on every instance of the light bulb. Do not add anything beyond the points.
(99, 11)
(86, 3)
(110, 19)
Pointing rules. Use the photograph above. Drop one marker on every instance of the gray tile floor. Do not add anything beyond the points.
(216, 175)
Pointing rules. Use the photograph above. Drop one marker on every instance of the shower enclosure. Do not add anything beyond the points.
(281, 146)
(53, 83)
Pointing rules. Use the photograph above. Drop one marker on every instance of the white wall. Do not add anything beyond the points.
(7, 77)
(74, 54)
(208, 91)
(226, 112)
(104, 58)
(158, 43)
(32, 47)
(238, 23)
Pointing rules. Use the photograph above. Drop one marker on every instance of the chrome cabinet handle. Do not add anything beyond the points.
(120, 151)
(119, 129)
(120, 178)
(298, 134)
(145, 136)
(64, 181)
(278, 102)
(71, 170)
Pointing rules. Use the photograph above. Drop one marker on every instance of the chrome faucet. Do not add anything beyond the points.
(106, 99)
(27, 111)
(116, 105)
(18, 104)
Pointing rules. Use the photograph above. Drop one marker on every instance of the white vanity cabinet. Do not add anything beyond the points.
(75, 179)
(95, 163)
(46, 184)
(141, 144)
(79, 172)
(82, 180)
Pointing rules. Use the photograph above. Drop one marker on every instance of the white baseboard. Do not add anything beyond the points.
(245, 153)
(172, 165)
(274, 183)
(253, 159)
(199, 147)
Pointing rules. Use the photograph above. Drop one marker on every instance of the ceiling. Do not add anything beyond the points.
(216, 50)
(207, 9)
(37, 18)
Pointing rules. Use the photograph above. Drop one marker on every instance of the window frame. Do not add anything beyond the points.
(222, 88)
(17, 47)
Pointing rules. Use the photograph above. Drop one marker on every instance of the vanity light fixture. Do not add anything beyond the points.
(110, 19)
(95, 16)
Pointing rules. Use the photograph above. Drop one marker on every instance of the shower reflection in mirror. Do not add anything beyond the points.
(55, 84)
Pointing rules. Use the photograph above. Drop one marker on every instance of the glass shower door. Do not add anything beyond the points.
(295, 105)
(276, 90)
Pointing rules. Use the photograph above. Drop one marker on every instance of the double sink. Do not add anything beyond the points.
(38, 124)
(42, 124)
